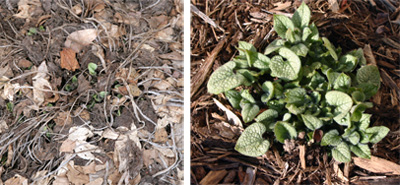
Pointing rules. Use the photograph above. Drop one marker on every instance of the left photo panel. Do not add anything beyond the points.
(91, 92)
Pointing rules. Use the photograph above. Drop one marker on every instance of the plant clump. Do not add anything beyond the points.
(306, 85)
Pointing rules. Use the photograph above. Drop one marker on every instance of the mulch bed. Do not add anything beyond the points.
(216, 28)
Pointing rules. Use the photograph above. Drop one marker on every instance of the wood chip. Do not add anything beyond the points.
(213, 177)
(377, 165)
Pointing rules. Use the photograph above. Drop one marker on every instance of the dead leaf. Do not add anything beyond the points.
(165, 34)
(23, 63)
(172, 56)
(68, 146)
(161, 135)
(76, 177)
(79, 39)
(378, 165)
(26, 7)
(83, 84)
(40, 82)
(109, 134)
(40, 174)
(61, 181)
(98, 181)
(68, 59)
(3, 126)
(131, 19)
(89, 169)
(9, 89)
(16, 180)
(63, 118)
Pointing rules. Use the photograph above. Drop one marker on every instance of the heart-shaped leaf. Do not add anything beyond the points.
(341, 153)
(287, 70)
(267, 116)
(301, 16)
(224, 79)
(311, 121)
(249, 112)
(284, 130)
(251, 142)
(341, 101)
(361, 150)
(331, 138)
(268, 88)
(282, 24)
(377, 133)
(234, 98)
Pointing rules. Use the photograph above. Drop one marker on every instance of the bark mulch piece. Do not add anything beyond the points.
(216, 28)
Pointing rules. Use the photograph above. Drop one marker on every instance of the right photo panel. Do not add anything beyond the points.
(295, 92)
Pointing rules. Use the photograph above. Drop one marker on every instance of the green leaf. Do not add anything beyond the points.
(300, 49)
(33, 30)
(267, 116)
(276, 104)
(306, 32)
(92, 68)
(234, 98)
(342, 82)
(301, 16)
(377, 133)
(268, 88)
(311, 121)
(341, 101)
(249, 76)
(354, 138)
(249, 112)
(296, 96)
(243, 46)
(358, 109)
(358, 96)
(315, 33)
(332, 76)
(247, 96)
(345, 121)
(368, 89)
(368, 75)
(251, 142)
(361, 150)
(359, 53)
(341, 153)
(274, 46)
(330, 48)
(294, 109)
(287, 70)
(286, 117)
(224, 79)
(331, 138)
(262, 62)
(282, 24)
(284, 130)
(348, 63)
(364, 121)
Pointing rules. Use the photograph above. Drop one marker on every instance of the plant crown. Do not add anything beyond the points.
(307, 85)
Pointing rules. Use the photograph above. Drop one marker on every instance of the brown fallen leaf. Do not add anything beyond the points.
(17, 179)
(378, 165)
(68, 59)
(63, 118)
(68, 146)
(79, 39)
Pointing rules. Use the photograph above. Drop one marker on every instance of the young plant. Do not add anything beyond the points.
(306, 85)
(92, 68)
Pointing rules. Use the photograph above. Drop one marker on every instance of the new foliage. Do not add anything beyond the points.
(306, 84)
